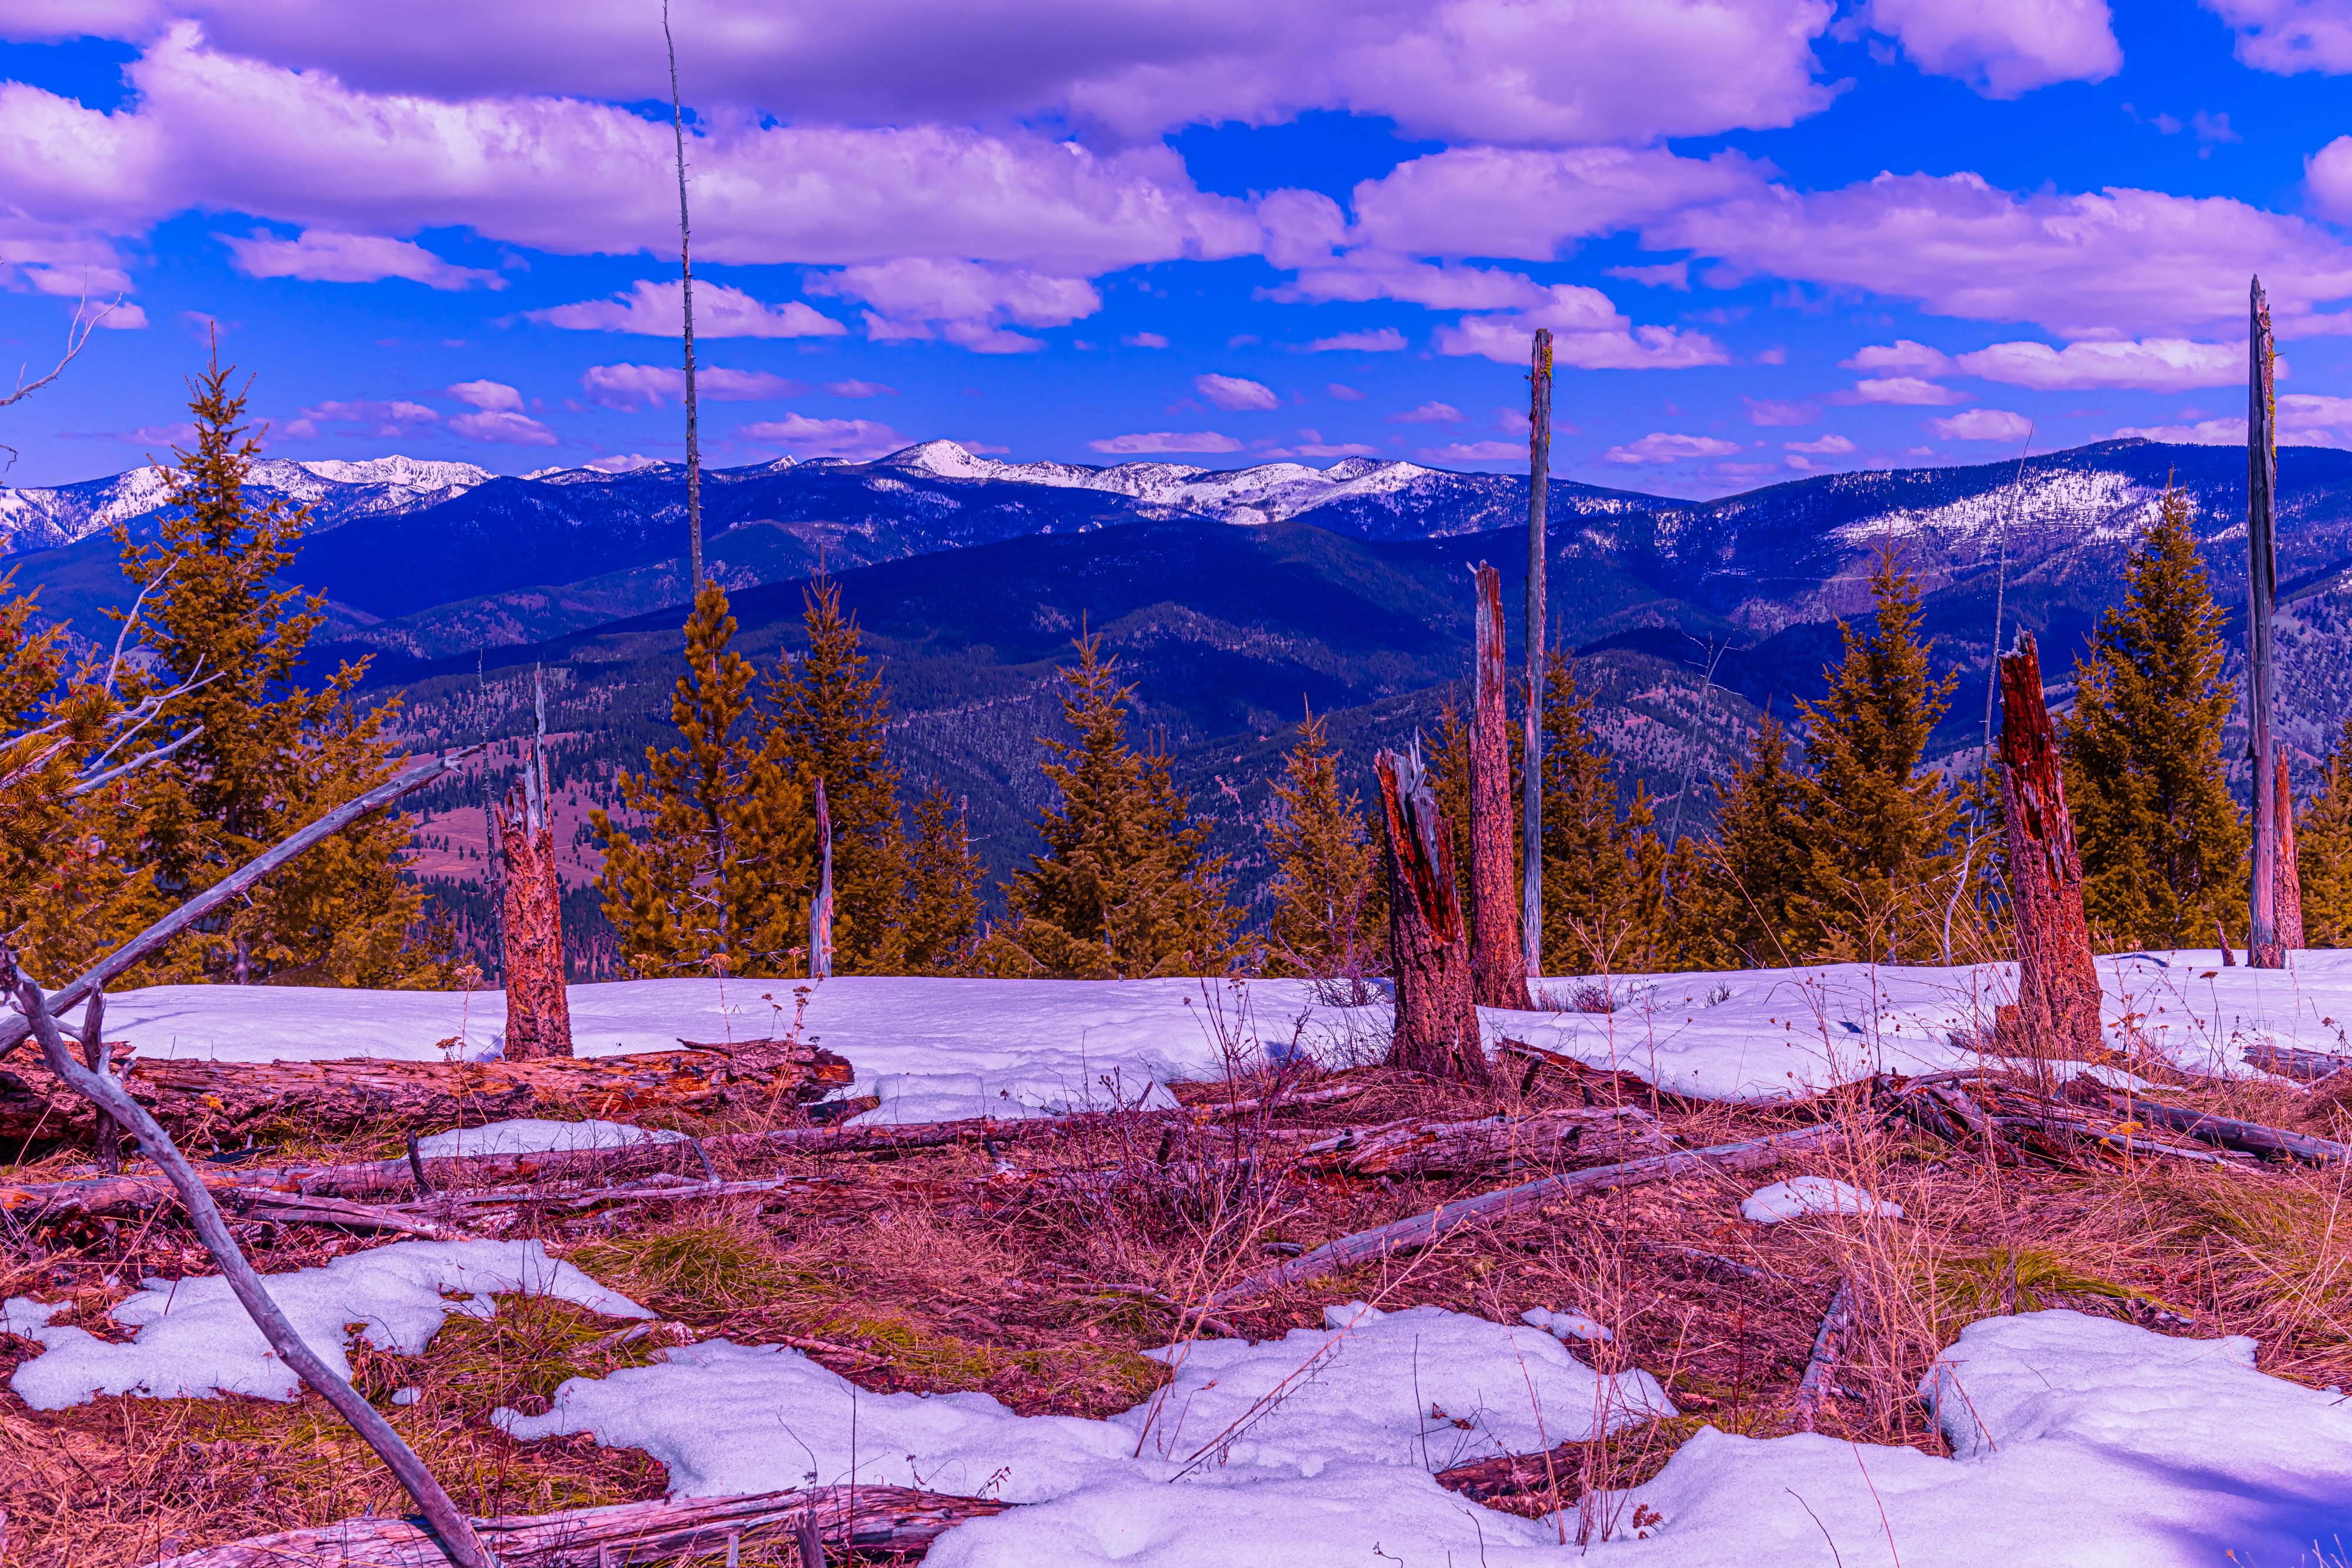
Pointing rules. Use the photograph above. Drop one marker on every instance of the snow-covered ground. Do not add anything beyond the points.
(937, 1049)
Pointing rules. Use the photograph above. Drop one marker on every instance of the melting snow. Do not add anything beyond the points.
(530, 1136)
(194, 1341)
(1802, 1195)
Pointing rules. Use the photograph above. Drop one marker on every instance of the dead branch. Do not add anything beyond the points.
(2249, 1138)
(1420, 1147)
(77, 333)
(2293, 1061)
(1829, 1344)
(1423, 1230)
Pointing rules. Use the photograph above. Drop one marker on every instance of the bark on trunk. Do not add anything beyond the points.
(1498, 967)
(2289, 913)
(1436, 1019)
(2057, 984)
(821, 906)
(226, 1102)
(539, 1010)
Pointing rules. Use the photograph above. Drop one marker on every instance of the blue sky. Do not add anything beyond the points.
(1775, 237)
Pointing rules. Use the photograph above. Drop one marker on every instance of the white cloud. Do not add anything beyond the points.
(1167, 441)
(2290, 36)
(1830, 446)
(1379, 340)
(1588, 333)
(854, 388)
(1477, 452)
(491, 397)
(1144, 340)
(1527, 204)
(1982, 425)
(322, 255)
(1908, 391)
(2152, 364)
(655, 310)
(1660, 447)
(2004, 48)
(622, 463)
(1771, 412)
(2328, 174)
(1902, 354)
(825, 437)
(635, 386)
(918, 298)
(504, 426)
(1344, 393)
(1236, 392)
(1428, 413)
(385, 420)
(2305, 418)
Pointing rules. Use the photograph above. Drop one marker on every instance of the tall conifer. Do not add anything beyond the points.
(831, 718)
(1125, 888)
(268, 755)
(1604, 908)
(943, 889)
(2163, 845)
(2323, 846)
(1742, 902)
(1329, 917)
(716, 880)
(1876, 829)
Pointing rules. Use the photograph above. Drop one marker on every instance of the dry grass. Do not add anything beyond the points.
(1038, 1272)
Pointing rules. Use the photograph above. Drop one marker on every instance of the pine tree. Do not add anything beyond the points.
(267, 754)
(943, 876)
(1877, 830)
(2323, 851)
(1124, 889)
(1742, 903)
(2163, 845)
(1604, 909)
(717, 880)
(831, 716)
(1330, 916)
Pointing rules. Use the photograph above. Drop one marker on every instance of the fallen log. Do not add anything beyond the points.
(2293, 1061)
(2248, 1137)
(1416, 1147)
(226, 1102)
(848, 1519)
(1829, 1344)
(1423, 1229)
(1551, 1475)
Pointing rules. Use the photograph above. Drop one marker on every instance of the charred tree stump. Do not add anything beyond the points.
(539, 1010)
(2057, 984)
(2289, 910)
(1498, 967)
(1436, 1017)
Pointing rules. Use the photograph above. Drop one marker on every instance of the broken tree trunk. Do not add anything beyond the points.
(539, 1010)
(1820, 1381)
(228, 1101)
(2290, 876)
(880, 1519)
(821, 906)
(2057, 984)
(1531, 752)
(1436, 1029)
(2264, 948)
(1420, 1147)
(1499, 968)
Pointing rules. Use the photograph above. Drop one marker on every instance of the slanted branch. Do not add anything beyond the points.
(1437, 1020)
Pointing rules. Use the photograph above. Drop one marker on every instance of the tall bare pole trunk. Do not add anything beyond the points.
(1497, 963)
(1531, 752)
(538, 1008)
(2289, 874)
(686, 300)
(821, 906)
(2057, 983)
(1436, 1019)
(2265, 950)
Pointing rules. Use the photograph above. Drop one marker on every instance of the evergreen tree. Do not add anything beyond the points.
(1604, 910)
(265, 754)
(2323, 851)
(1877, 832)
(2162, 843)
(943, 889)
(831, 716)
(1742, 902)
(1329, 915)
(718, 879)
(1124, 889)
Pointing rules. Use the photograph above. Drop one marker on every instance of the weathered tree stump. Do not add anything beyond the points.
(2288, 909)
(2057, 1012)
(538, 1008)
(1436, 1019)
(1499, 968)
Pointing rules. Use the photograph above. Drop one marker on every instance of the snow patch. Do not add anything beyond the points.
(1565, 1326)
(528, 1135)
(1800, 1195)
(195, 1340)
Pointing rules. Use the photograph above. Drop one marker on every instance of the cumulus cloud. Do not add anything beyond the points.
(2003, 47)
(1588, 333)
(2117, 263)
(1982, 425)
(1660, 447)
(856, 388)
(2151, 364)
(1167, 441)
(491, 397)
(2305, 418)
(503, 426)
(1526, 205)
(1770, 412)
(1428, 413)
(1830, 446)
(2290, 36)
(1902, 354)
(1908, 390)
(656, 311)
(1379, 340)
(1344, 393)
(1145, 341)
(2328, 174)
(383, 419)
(1475, 452)
(1236, 392)
(622, 463)
(322, 255)
(642, 386)
(965, 302)
(808, 438)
